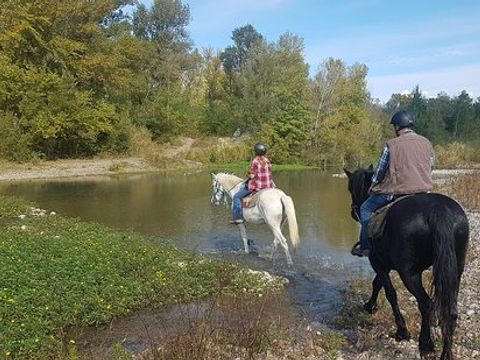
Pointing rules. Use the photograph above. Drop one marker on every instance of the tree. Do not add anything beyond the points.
(57, 68)
(164, 108)
(343, 132)
(234, 57)
(217, 117)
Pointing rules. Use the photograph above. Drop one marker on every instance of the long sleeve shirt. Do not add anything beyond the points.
(262, 171)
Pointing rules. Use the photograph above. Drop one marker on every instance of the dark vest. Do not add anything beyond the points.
(410, 167)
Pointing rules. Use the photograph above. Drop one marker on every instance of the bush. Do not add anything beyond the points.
(14, 144)
(454, 154)
(222, 153)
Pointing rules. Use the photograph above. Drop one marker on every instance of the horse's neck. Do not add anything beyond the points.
(231, 184)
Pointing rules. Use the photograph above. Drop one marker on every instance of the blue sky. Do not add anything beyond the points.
(435, 44)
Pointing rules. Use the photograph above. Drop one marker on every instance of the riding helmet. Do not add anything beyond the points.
(260, 149)
(402, 119)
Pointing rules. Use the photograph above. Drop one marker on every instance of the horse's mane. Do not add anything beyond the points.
(360, 182)
(228, 180)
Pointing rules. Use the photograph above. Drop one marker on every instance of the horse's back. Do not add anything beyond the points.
(411, 229)
(424, 205)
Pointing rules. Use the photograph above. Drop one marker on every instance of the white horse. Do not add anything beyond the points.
(274, 208)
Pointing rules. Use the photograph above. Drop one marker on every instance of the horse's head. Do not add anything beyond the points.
(219, 194)
(359, 182)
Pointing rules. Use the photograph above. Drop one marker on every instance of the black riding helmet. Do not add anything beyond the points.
(403, 119)
(260, 149)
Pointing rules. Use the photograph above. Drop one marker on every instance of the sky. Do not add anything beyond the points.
(433, 44)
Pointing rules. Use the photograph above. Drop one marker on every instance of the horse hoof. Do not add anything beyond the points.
(371, 309)
(427, 354)
(402, 335)
(426, 348)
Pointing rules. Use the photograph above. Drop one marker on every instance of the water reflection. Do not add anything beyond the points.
(177, 207)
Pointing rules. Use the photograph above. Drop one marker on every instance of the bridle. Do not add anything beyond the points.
(219, 194)
(355, 210)
(354, 207)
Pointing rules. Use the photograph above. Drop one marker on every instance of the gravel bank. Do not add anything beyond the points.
(373, 341)
(72, 168)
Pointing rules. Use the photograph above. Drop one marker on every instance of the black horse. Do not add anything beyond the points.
(421, 230)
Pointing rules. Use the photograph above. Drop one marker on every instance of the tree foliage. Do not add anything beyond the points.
(76, 76)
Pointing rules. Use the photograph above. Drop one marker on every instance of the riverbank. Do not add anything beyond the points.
(58, 273)
(72, 168)
(99, 167)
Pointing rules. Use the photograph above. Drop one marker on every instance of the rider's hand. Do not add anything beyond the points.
(369, 192)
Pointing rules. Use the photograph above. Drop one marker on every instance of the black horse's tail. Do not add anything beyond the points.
(446, 278)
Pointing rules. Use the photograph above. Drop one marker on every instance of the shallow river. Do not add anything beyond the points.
(177, 207)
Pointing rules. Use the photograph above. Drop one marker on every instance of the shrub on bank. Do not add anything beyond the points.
(455, 154)
(466, 189)
(58, 272)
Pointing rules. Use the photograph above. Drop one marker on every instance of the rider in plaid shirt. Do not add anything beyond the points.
(260, 175)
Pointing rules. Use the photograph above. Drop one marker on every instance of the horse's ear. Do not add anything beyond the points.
(348, 173)
(213, 175)
(370, 168)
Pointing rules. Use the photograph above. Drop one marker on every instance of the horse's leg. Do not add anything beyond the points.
(243, 235)
(274, 247)
(413, 283)
(402, 331)
(282, 240)
(371, 305)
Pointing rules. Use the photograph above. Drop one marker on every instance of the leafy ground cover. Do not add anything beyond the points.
(57, 272)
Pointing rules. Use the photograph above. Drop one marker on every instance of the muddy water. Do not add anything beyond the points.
(177, 207)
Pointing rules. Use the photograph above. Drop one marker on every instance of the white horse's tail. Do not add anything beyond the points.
(292, 219)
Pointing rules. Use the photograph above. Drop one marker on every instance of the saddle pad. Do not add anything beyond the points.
(251, 200)
(376, 225)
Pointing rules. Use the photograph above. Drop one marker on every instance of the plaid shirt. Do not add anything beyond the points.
(263, 174)
(384, 161)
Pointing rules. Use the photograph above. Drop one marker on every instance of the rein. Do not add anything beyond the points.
(356, 211)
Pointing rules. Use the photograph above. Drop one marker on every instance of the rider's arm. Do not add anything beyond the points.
(382, 166)
(253, 169)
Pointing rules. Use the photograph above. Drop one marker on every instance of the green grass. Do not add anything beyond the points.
(241, 167)
(57, 272)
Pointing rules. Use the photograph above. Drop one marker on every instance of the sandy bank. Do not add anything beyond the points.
(72, 168)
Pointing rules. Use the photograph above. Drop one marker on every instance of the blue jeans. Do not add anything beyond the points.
(237, 203)
(374, 202)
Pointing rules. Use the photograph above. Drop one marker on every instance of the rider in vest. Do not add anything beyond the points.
(259, 177)
(405, 167)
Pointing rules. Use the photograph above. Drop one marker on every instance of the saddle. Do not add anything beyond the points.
(251, 200)
(376, 225)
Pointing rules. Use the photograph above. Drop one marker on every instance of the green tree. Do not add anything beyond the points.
(342, 131)
(57, 66)
(235, 56)
(163, 27)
